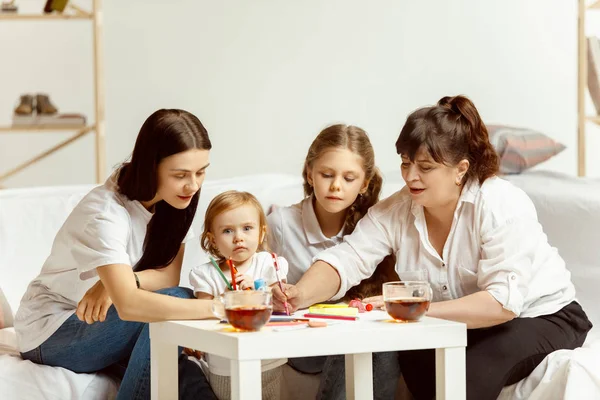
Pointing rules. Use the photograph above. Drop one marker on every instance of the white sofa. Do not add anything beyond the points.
(29, 219)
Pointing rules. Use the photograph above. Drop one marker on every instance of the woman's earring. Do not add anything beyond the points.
(458, 182)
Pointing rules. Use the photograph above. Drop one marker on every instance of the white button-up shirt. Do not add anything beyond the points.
(495, 244)
(295, 234)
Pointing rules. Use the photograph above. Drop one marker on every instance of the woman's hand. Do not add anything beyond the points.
(292, 296)
(94, 305)
(244, 281)
(376, 302)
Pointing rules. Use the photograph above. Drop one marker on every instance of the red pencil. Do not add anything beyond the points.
(232, 269)
(343, 317)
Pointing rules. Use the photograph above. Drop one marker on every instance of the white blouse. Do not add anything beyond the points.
(295, 234)
(495, 244)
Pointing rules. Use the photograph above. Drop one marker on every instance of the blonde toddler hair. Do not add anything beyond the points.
(228, 201)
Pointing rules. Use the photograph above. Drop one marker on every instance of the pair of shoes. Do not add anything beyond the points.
(40, 103)
(9, 7)
(55, 5)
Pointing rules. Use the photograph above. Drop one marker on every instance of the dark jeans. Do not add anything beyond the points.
(386, 371)
(501, 355)
(119, 347)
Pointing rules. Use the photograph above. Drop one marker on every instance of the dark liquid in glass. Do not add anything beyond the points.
(408, 309)
(248, 318)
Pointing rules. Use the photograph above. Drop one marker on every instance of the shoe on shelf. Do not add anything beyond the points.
(43, 105)
(9, 7)
(55, 5)
(25, 106)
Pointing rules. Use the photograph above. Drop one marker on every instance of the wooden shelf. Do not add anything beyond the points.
(45, 128)
(594, 6)
(71, 13)
(78, 134)
(593, 118)
(62, 17)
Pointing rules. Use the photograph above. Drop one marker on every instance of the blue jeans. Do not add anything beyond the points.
(117, 345)
(386, 372)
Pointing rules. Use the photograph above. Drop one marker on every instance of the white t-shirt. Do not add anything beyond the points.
(496, 244)
(205, 278)
(295, 233)
(104, 228)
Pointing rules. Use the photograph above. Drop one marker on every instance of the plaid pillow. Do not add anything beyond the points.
(6, 317)
(520, 148)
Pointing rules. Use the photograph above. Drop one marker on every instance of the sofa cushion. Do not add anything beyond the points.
(569, 210)
(22, 379)
(520, 149)
(29, 220)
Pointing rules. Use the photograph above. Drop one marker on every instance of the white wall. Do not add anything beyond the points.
(265, 76)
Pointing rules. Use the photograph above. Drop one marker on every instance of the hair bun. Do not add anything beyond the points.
(457, 104)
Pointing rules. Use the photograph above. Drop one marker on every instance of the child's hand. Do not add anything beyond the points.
(376, 301)
(244, 281)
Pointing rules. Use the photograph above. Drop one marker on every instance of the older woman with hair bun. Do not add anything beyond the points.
(488, 260)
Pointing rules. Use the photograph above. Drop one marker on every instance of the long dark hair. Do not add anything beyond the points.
(450, 131)
(357, 141)
(164, 133)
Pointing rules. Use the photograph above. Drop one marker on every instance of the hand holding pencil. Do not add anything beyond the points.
(276, 265)
(244, 282)
(289, 295)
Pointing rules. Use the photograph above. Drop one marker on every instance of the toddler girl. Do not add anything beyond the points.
(235, 229)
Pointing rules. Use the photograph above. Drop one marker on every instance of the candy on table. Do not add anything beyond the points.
(362, 307)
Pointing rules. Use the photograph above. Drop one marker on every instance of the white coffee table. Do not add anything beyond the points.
(357, 339)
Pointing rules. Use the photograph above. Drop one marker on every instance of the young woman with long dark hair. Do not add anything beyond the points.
(115, 263)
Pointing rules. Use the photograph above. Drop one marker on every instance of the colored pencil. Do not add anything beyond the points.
(232, 269)
(276, 265)
(342, 317)
(214, 263)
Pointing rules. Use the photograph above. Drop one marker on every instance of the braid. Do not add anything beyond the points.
(363, 202)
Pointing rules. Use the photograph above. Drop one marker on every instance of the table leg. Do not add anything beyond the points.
(163, 368)
(359, 376)
(246, 380)
(450, 376)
